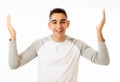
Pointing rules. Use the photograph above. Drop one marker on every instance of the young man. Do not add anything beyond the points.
(58, 54)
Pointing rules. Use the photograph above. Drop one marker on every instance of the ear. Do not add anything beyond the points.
(49, 25)
(68, 23)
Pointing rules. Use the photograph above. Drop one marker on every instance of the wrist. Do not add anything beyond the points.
(13, 38)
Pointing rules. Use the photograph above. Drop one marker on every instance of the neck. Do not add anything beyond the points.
(58, 39)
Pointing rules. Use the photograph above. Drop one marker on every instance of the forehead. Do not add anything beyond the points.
(57, 16)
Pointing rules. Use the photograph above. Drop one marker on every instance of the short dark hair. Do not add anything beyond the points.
(57, 10)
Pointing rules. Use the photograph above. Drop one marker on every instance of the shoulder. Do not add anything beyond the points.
(74, 40)
(77, 42)
(42, 40)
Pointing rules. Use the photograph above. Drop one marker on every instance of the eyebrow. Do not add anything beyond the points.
(56, 20)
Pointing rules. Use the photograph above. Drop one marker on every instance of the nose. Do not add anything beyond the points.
(59, 25)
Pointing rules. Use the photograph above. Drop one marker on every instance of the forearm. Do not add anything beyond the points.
(13, 55)
(103, 55)
(100, 57)
(13, 38)
(17, 60)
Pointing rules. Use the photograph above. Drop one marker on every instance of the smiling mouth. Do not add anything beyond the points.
(59, 31)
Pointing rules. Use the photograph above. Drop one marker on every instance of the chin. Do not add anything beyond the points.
(59, 36)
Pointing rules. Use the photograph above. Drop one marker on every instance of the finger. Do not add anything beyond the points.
(8, 20)
(104, 14)
(10, 28)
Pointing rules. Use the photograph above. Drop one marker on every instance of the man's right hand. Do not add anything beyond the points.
(11, 29)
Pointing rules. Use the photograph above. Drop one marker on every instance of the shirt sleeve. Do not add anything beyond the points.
(16, 60)
(99, 57)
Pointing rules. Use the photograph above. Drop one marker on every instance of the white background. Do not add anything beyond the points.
(30, 18)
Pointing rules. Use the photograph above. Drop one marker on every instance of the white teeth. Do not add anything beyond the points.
(59, 30)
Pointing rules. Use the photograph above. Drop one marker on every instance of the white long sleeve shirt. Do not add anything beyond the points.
(57, 61)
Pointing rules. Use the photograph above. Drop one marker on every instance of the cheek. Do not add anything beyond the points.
(51, 28)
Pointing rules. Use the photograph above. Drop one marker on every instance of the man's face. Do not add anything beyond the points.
(58, 24)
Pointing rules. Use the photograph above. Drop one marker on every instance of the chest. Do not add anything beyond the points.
(54, 53)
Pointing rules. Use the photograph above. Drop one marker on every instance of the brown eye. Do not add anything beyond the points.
(63, 22)
(54, 22)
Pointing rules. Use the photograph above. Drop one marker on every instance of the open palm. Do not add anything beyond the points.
(10, 28)
(102, 22)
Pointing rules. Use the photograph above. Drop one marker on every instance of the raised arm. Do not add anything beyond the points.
(16, 60)
(101, 56)
(13, 54)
